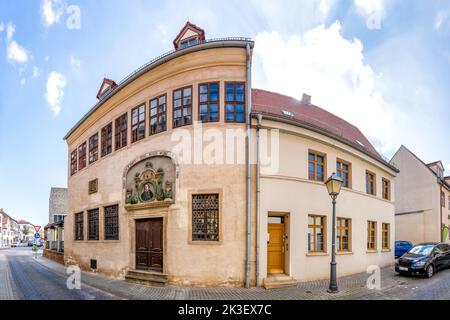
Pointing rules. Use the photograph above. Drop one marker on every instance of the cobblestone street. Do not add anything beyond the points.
(24, 277)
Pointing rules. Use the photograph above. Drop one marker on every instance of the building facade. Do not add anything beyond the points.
(423, 199)
(54, 230)
(153, 192)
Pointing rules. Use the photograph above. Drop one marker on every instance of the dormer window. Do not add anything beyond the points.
(190, 35)
(107, 86)
(188, 43)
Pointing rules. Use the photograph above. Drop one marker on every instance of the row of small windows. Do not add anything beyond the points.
(111, 224)
(317, 172)
(317, 234)
(209, 111)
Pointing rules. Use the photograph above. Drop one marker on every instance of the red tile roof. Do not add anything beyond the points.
(274, 104)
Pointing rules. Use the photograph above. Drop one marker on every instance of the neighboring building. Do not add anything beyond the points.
(10, 230)
(54, 230)
(27, 231)
(422, 199)
(134, 205)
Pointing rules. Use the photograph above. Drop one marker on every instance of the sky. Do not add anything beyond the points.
(380, 64)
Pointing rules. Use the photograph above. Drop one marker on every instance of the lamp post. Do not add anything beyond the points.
(334, 184)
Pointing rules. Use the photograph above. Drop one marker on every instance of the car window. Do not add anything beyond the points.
(422, 250)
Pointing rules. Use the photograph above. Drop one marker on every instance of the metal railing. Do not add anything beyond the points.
(164, 55)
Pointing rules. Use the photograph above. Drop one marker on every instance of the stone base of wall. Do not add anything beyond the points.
(53, 255)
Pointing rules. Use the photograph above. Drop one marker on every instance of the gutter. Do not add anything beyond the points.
(209, 44)
(249, 167)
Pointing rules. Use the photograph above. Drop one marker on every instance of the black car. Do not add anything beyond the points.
(424, 259)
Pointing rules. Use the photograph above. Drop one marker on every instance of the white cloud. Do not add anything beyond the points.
(10, 29)
(17, 53)
(36, 72)
(2, 27)
(54, 94)
(75, 64)
(51, 11)
(332, 69)
(23, 81)
(14, 51)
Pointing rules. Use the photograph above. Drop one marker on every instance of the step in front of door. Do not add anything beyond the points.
(279, 282)
(146, 278)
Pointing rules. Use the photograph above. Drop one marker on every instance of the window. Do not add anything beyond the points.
(158, 117)
(316, 233)
(209, 102)
(188, 42)
(205, 217)
(79, 226)
(385, 236)
(93, 224)
(137, 124)
(112, 222)
(448, 202)
(343, 232)
(121, 132)
(235, 102)
(93, 186)
(182, 107)
(386, 189)
(82, 156)
(343, 171)
(73, 162)
(107, 140)
(316, 166)
(93, 148)
(371, 235)
(370, 183)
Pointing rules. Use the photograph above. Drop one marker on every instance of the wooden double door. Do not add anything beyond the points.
(149, 244)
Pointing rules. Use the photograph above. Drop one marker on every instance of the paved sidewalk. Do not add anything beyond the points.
(352, 287)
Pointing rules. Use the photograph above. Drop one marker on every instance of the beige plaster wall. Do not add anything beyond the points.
(417, 190)
(290, 191)
(185, 262)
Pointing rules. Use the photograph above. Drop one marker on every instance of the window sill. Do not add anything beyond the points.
(344, 253)
(372, 251)
(316, 254)
(386, 250)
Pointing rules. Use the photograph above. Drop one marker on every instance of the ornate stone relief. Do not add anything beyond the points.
(150, 183)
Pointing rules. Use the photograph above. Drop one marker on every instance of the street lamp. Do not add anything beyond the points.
(334, 184)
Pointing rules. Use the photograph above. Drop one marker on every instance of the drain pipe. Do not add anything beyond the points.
(258, 194)
(249, 168)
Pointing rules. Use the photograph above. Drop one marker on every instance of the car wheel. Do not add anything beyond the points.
(430, 271)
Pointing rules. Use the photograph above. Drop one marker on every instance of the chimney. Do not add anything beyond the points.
(306, 99)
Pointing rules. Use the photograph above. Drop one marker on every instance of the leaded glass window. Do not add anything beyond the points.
(93, 230)
(112, 222)
(205, 217)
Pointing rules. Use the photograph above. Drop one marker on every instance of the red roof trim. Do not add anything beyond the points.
(187, 26)
(112, 84)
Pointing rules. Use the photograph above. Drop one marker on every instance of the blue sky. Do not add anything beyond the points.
(382, 65)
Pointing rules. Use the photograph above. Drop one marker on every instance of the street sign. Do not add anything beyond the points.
(37, 228)
(37, 235)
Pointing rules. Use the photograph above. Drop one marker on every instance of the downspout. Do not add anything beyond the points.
(249, 168)
(258, 194)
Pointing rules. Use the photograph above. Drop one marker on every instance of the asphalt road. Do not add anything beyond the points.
(21, 278)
